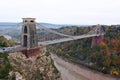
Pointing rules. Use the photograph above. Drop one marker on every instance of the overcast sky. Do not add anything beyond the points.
(62, 11)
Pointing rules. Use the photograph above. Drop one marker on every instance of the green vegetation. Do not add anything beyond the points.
(47, 53)
(55, 70)
(6, 43)
(105, 57)
(4, 65)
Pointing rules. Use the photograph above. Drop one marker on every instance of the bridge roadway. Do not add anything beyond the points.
(66, 39)
(19, 47)
(12, 49)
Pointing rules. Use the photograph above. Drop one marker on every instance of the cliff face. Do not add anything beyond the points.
(39, 67)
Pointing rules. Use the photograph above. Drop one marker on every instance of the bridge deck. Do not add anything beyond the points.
(66, 39)
(19, 48)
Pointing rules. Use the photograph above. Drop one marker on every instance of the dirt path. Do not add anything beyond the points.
(68, 70)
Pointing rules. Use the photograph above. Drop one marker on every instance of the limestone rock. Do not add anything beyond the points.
(40, 67)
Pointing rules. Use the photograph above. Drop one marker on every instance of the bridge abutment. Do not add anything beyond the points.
(31, 52)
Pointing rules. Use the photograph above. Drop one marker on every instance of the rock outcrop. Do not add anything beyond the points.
(39, 67)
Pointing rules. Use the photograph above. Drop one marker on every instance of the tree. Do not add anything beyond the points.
(5, 43)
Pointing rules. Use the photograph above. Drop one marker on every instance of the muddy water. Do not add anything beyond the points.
(68, 70)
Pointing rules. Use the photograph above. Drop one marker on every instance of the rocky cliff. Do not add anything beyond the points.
(39, 67)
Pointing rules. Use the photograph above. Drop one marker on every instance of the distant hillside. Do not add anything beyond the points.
(7, 23)
(13, 30)
(4, 25)
(49, 25)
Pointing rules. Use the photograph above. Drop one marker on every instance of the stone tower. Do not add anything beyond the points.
(100, 30)
(29, 36)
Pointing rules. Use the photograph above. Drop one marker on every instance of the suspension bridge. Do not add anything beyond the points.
(29, 34)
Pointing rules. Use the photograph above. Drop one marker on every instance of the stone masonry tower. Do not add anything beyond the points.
(29, 37)
(100, 30)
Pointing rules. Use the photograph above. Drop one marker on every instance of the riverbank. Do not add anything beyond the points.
(70, 71)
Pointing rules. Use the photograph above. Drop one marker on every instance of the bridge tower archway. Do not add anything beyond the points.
(100, 29)
(25, 29)
(25, 41)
